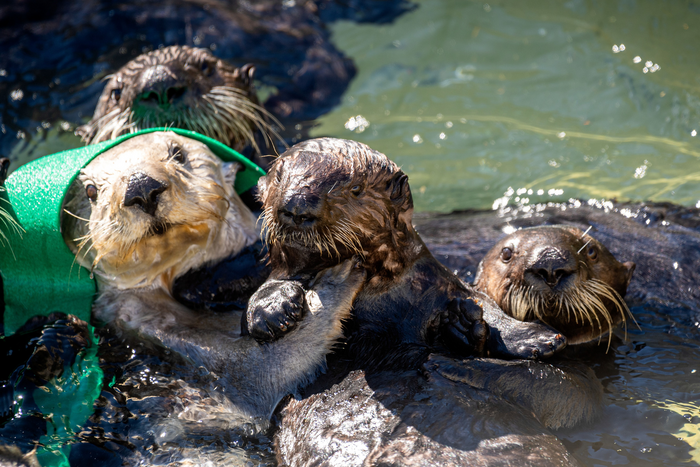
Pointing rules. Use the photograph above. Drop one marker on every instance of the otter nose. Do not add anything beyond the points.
(299, 211)
(552, 267)
(160, 86)
(143, 191)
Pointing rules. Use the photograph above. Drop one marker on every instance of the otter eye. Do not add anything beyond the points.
(91, 192)
(592, 253)
(175, 153)
(207, 68)
(506, 254)
(356, 190)
(116, 94)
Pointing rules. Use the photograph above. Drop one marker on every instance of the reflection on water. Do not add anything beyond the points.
(580, 99)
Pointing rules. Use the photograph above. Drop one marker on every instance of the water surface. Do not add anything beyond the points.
(523, 102)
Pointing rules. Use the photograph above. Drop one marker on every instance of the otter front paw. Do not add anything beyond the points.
(274, 309)
(462, 330)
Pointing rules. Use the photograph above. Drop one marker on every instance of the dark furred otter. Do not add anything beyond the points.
(186, 88)
(560, 276)
(326, 200)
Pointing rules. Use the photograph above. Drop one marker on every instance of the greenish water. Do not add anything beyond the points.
(524, 102)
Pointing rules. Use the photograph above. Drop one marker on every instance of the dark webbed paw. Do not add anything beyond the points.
(518, 339)
(275, 309)
(462, 330)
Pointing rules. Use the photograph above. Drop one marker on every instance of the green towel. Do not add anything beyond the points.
(38, 270)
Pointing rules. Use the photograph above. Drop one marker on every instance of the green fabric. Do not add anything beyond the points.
(38, 269)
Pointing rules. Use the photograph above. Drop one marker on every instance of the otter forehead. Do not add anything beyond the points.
(148, 152)
(172, 67)
(323, 163)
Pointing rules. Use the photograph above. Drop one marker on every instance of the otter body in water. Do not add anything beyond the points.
(150, 209)
(326, 200)
(480, 411)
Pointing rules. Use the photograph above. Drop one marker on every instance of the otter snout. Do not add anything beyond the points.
(160, 86)
(553, 266)
(300, 210)
(142, 191)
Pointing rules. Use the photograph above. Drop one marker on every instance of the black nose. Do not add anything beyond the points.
(553, 266)
(161, 86)
(299, 211)
(143, 191)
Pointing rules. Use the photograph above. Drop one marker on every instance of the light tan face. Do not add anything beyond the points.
(560, 276)
(152, 206)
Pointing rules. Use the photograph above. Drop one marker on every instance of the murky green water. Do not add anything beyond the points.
(530, 100)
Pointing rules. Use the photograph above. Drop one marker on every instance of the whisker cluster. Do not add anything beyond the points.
(227, 115)
(326, 240)
(583, 304)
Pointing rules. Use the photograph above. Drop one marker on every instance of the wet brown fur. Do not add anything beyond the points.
(371, 223)
(181, 87)
(584, 305)
(326, 200)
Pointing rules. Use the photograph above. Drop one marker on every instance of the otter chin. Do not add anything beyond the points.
(560, 276)
(186, 88)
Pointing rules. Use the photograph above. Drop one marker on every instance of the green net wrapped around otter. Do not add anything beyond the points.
(39, 272)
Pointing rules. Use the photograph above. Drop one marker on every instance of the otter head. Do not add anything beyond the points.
(327, 199)
(153, 207)
(560, 276)
(182, 87)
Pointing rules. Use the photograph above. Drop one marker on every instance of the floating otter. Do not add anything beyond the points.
(159, 204)
(186, 88)
(326, 200)
(478, 411)
(560, 276)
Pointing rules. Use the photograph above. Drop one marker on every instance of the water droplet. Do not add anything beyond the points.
(443, 135)
(637, 59)
(417, 138)
(694, 133)
(358, 124)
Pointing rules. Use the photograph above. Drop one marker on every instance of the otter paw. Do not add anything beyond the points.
(462, 329)
(274, 309)
(526, 340)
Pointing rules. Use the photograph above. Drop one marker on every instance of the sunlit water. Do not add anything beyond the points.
(552, 99)
(485, 104)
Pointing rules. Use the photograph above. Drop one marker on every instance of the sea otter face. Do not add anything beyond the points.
(182, 87)
(152, 207)
(559, 275)
(330, 199)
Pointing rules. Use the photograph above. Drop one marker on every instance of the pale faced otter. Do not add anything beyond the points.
(159, 204)
(560, 276)
(186, 88)
(326, 200)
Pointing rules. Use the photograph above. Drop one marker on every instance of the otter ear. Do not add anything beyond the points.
(230, 169)
(247, 72)
(399, 187)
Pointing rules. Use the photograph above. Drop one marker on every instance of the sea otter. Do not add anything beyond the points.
(326, 200)
(560, 276)
(480, 411)
(184, 87)
(157, 205)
